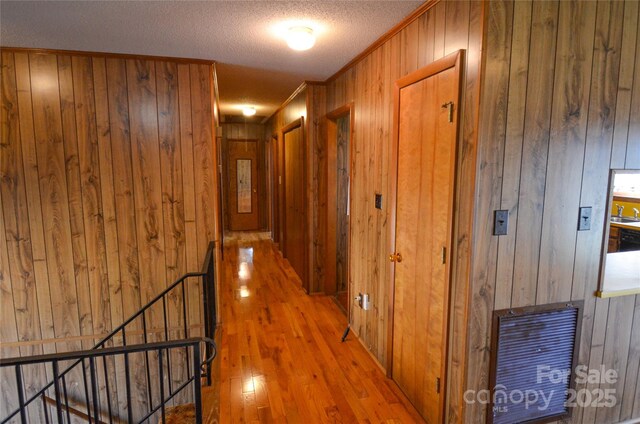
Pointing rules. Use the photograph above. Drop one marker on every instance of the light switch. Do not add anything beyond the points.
(584, 219)
(378, 201)
(500, 222)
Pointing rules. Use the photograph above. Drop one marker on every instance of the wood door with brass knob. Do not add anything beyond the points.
(243, 185)
(422, 219)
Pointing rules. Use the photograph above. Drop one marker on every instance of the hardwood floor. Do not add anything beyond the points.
(280, 355)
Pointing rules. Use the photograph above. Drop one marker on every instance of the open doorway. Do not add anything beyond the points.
(339, 137)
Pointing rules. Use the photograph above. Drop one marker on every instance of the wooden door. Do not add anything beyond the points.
(243, 185)
(294, 200)
(426, 130)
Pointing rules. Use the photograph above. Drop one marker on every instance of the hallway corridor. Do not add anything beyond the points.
(281, 359)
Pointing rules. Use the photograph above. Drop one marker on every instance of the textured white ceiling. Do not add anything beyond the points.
(241, 33)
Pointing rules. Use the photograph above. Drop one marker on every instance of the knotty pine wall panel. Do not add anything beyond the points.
(445, 27)
(108, 193)
(560, 107)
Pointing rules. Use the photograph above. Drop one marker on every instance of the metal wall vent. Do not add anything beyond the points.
(533, 358)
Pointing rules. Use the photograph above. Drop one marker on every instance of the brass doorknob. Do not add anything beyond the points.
(395, 257)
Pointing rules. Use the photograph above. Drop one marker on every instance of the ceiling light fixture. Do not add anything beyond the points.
(248, 111)
(300, 38)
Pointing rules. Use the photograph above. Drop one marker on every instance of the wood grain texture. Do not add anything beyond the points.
(238, 149)
(308, 101)
(423, 218)
(246, 131)
(101, 208)
(369, 84)
(281, 359)
(557, 113)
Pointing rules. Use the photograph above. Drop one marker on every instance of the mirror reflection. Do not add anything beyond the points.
(622, 260)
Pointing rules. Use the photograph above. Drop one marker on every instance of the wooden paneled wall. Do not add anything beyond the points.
(444, 28)
(560, 107)
(107, 187)
(247, 131)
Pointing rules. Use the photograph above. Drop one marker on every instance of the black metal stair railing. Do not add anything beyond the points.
(59, 408)
(124, 334)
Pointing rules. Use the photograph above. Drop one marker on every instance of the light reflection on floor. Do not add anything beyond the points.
(245, 268)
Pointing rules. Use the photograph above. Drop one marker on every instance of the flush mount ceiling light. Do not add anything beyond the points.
(248, 111)
(300, 38)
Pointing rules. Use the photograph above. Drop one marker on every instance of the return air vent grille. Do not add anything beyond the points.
(533, 348)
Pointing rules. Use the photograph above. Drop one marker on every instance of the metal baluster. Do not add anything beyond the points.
(197, 387)
(127, 378)
(56, 388)
(146, 354)
(184, 319)
(86, 388)
(207, 318)
(94, 388)
(46, 409)
(66, 397)
(106, 381)
(161, 372)
(23, 411)
(166, 339)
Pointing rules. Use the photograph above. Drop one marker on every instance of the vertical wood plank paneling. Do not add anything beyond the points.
(490, 160)
(123, 186)
(107, 190)
(93, 188)
(606, 61)
(18, 285)
(55, 199)
(518, 74)
(590, 119)
(188, 180)
(447, 26)
(570, 108)
(145, 157)
(203, 157)
(632, 158)
(32, 186)
(625, 82)
(535, 149)
(8, 330)
(74, 190)
(89, 163)
(171, 164)
(114, 284)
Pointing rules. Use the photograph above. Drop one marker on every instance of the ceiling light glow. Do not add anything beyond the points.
(248, 111)
(300, 38)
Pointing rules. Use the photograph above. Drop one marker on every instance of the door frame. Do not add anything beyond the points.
(305, 233)
(275, 189)
(330, 237)
(453, 60)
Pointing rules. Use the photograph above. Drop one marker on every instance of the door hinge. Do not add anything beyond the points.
(450, 106)
(437, 384)
(444, 255)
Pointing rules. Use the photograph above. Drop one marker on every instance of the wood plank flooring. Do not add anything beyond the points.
(280, 355)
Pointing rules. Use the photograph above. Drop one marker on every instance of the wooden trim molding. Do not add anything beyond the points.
(107, 55)
(284, 104)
